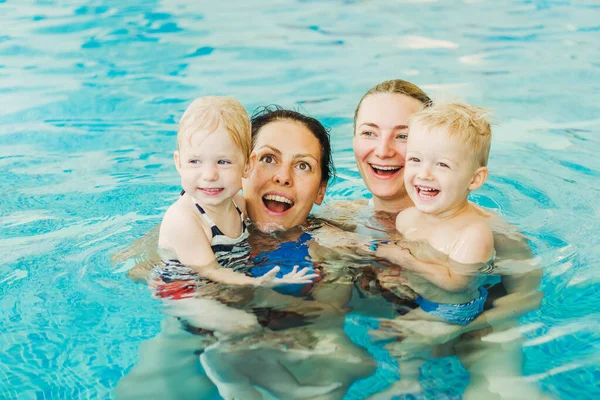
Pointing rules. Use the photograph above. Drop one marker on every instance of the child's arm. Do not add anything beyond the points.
(474, 246)
(191, 245)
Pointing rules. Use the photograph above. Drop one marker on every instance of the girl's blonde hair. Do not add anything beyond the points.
(208, 112)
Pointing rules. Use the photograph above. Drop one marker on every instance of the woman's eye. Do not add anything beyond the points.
(267, 159)
(402, 136)
(304, 166)
(367, 134)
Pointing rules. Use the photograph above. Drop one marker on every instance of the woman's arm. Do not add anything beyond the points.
(522, 297)
(143, 254)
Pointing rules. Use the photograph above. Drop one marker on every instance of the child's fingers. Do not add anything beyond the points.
(272, 273)
(309, 277)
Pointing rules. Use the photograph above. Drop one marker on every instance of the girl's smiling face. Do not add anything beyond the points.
(285, 176)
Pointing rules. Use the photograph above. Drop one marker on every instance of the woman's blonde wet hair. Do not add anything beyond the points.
(467, 122)
(206, 113)
(396, 86)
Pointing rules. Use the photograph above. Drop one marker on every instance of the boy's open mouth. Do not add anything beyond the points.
(426, 192)
(385, 170)
(276, 203)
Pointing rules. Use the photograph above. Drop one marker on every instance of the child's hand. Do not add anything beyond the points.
(394, 253)
(295, 277)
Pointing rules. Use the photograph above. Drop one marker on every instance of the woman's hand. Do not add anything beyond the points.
(414, 335)
(294, 277)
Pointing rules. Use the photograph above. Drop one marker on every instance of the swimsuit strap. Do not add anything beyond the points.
(214, 229)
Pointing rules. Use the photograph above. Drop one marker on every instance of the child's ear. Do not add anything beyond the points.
(321, 194)
(479, 178)
(176, 161)
(249, 165)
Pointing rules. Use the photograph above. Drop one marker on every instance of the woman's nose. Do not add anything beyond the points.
(282, 176)
(384, 148)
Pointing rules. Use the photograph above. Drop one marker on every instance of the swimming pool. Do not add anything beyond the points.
(91, 92)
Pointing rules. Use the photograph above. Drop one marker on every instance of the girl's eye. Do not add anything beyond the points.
(267, 159)
(367, 134)
(223, 162)
(304, 166)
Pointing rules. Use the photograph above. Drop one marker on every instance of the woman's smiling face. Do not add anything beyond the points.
(285, 176)
(380, 142)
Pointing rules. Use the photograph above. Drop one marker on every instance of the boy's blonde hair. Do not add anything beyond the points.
(210, 111)
(469, 123)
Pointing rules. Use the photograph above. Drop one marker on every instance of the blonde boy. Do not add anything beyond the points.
(447, 153)
(445, 240)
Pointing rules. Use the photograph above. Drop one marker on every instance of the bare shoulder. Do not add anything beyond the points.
(474, 243)
(343, 206)
(406, 219)
(178, 220)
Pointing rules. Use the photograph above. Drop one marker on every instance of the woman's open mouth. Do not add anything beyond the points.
(385, 171)
(276, 203)
(425, 192)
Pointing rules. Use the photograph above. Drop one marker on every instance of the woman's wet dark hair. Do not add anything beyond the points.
(267, 114)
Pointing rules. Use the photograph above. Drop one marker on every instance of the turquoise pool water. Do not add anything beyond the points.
(90, 92)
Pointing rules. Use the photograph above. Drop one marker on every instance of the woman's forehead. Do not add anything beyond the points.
(289, 138)
(387, 108)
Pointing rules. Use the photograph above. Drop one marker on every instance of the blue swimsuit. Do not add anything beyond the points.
(286, 256)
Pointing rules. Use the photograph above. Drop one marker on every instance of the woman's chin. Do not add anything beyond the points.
(269, 226)
(387, 193)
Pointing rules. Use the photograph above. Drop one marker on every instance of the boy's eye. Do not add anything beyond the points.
(267, 159)
(304, 166)
(414, 159)
(194, 161)
(443, 165)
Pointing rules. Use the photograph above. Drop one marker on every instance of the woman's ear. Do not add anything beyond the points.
(321, 194)
(249, 165)
(479, 178)
(176, 161)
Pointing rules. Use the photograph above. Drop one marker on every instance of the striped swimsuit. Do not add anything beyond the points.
(179, 280)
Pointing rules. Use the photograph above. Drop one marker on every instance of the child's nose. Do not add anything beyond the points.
(424, 172)
(210, 173)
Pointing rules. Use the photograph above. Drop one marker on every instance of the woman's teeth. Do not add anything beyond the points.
(280, 199)
(385, 170)
(277, 203)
